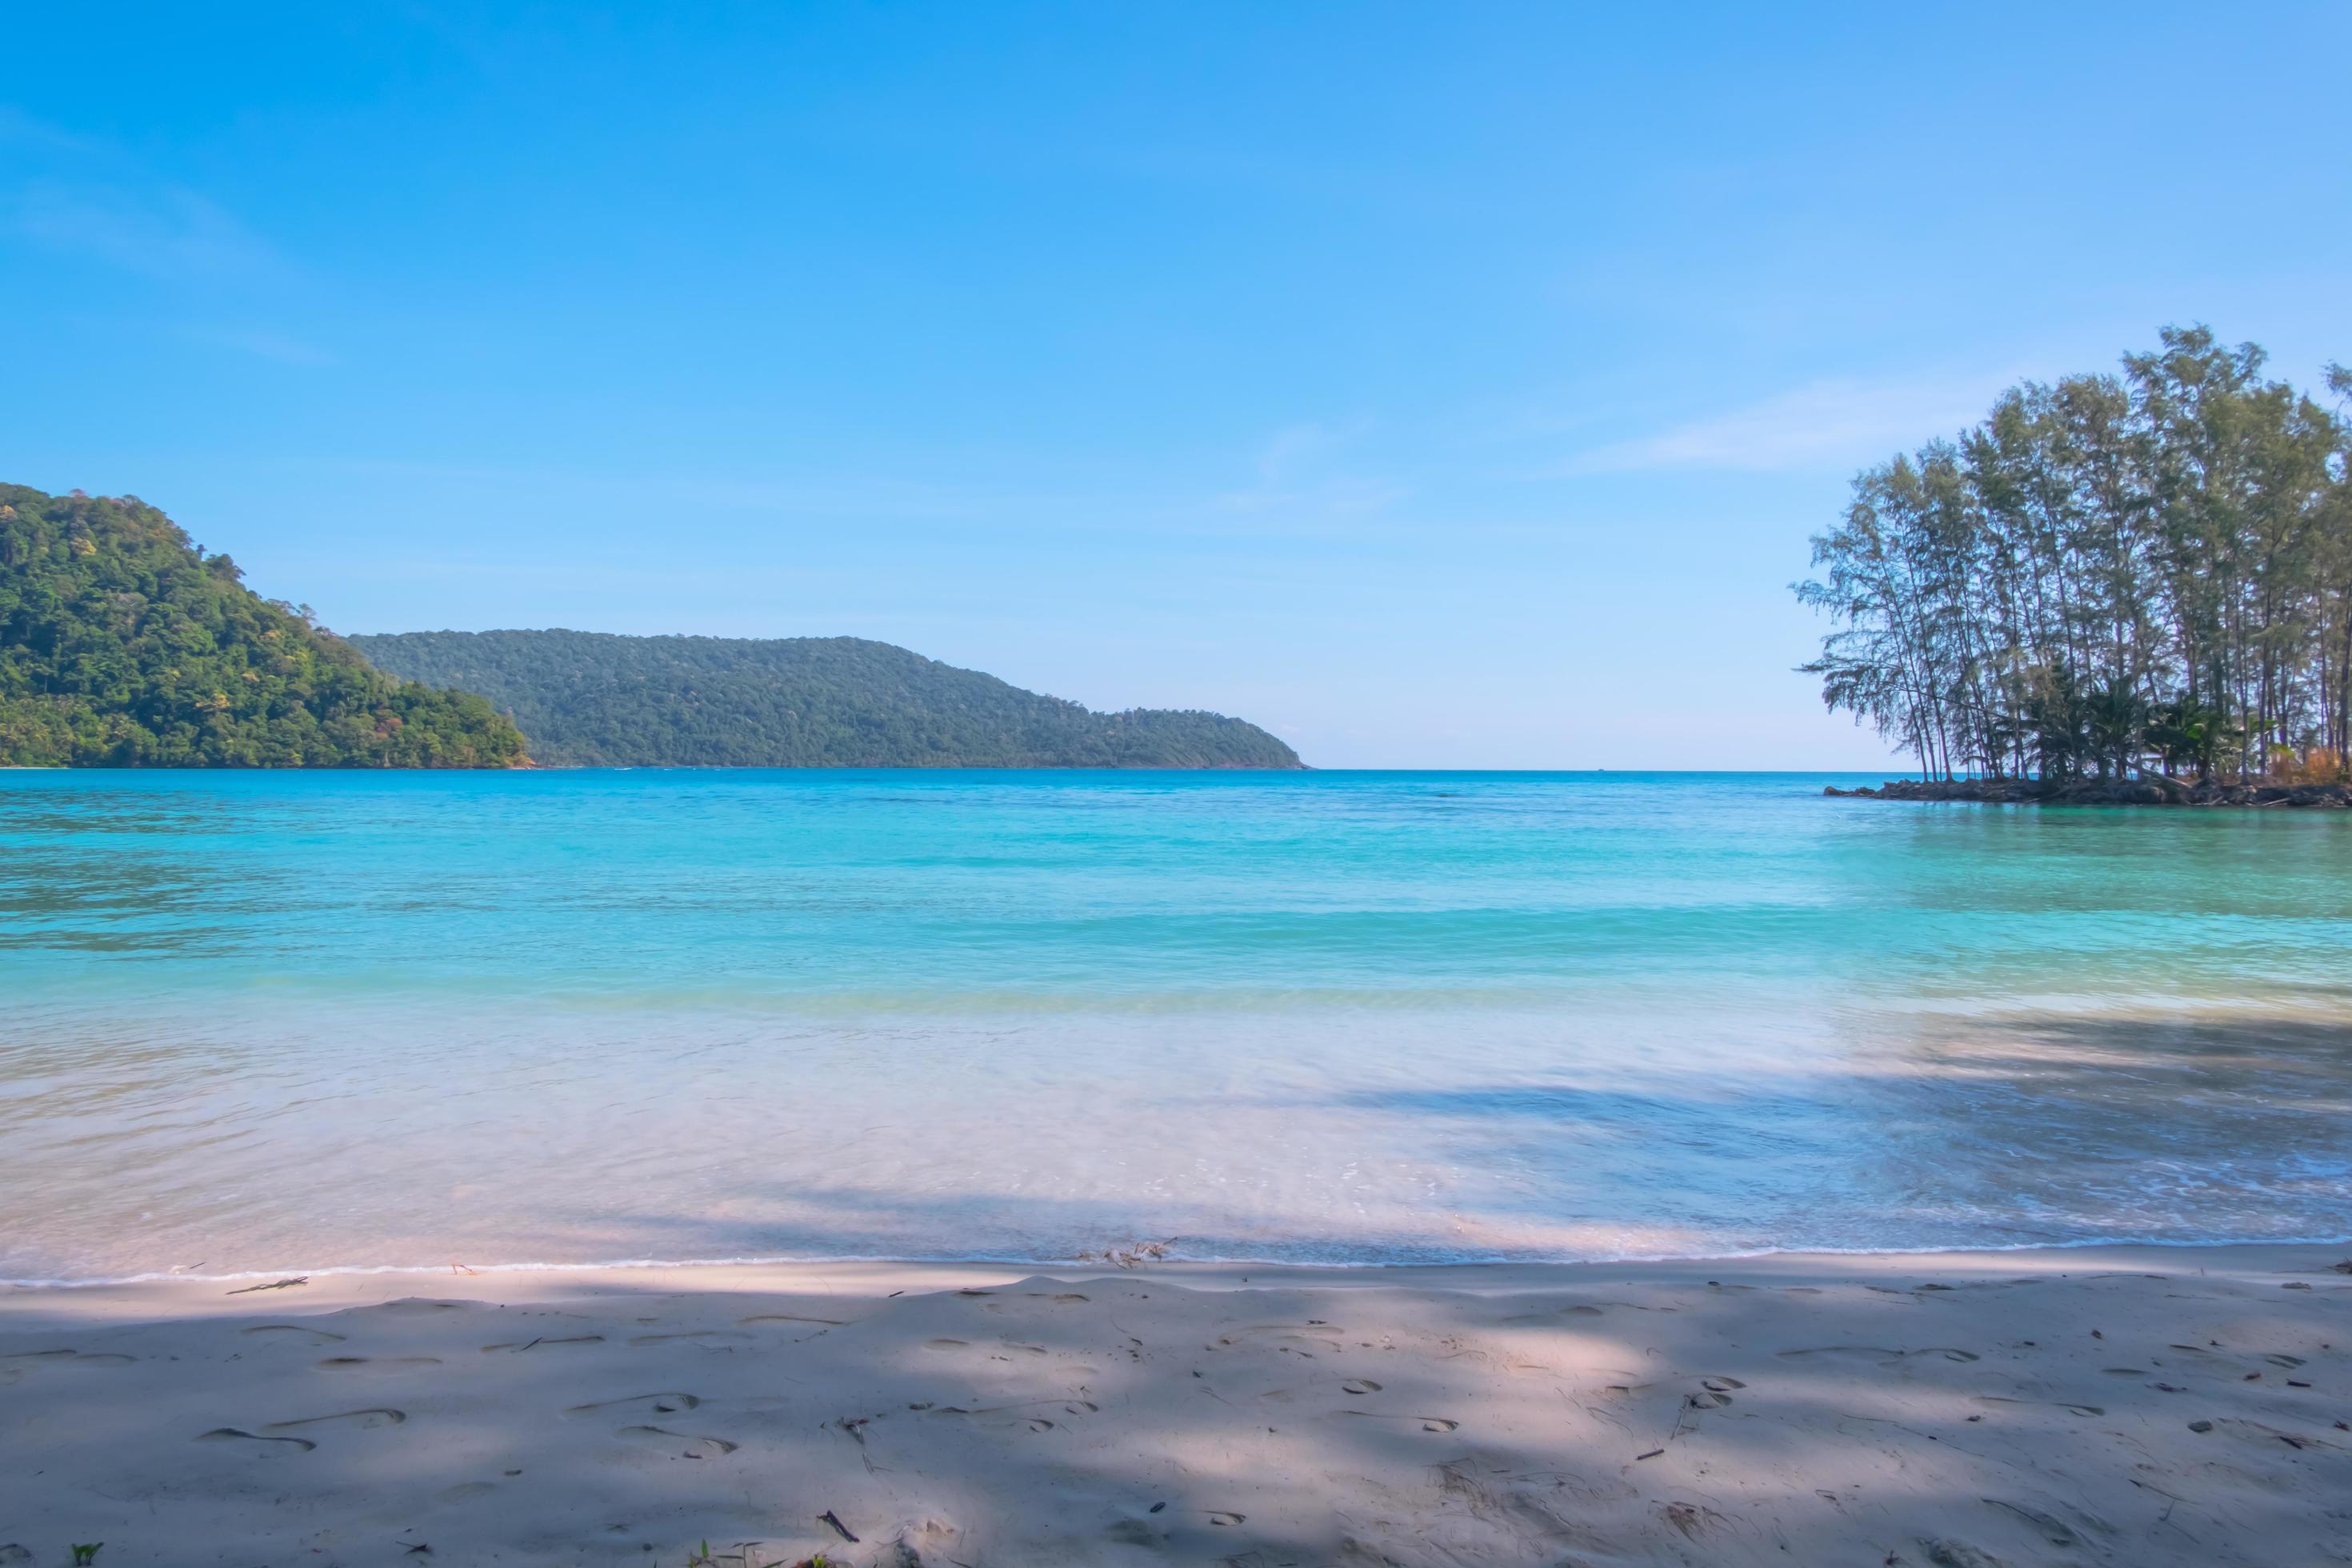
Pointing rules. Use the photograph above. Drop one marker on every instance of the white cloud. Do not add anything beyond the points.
(1832, 424)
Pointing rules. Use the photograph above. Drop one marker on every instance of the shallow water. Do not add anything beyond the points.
(273, 1021)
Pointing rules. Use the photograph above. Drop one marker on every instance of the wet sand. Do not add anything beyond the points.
(2127, 1406)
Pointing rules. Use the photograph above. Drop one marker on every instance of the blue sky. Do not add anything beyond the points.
(1438, 386)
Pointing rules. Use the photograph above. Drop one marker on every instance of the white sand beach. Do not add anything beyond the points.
(2125, 1406)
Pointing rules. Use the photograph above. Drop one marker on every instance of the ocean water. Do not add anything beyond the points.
(273, 1021)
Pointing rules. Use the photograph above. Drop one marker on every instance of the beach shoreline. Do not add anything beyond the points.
(2147, 790)
(1921, 1408)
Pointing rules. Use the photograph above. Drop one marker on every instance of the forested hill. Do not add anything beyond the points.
(123, 644)
(596, 699)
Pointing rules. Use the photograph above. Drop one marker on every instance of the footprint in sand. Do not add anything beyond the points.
(1291, 1337)
(465, 1489)
(2052, 1404)
(687, 1445)
(2049, 1526)
(697, 1337)
(1004, 1352)
(375, 1416)
(1552, 1314)
(66, 1358)
(417, 1307)
(377, 1364)
(543, 1344)
(1880, 1355)
(1010, 1417)
(665, 1402)
(2256, 1432)
(1222, 1517)
(1428, 1423)
(299, 1335)
(257, 1444)
(791, 1318)
(1361, 1386)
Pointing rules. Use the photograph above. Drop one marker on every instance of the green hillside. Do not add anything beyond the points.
(123, 644)
(590, 699)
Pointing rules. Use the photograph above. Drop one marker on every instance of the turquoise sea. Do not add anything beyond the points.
(285, 1022)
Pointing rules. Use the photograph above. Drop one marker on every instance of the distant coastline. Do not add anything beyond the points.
(124, 644)
(605, 699)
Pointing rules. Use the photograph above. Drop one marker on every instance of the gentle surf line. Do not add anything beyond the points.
(1495, 1260)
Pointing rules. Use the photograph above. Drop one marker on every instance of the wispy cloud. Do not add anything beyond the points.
(22, 129)
(1285, 489)
(262, 342)
(1300, 475)
(1822, 424)
(1316, 502)
(1294, 448)
(173, 234)
(215, 262)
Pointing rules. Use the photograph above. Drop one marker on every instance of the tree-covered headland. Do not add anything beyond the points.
(600, 700)
(2113, 576)
(123, 644)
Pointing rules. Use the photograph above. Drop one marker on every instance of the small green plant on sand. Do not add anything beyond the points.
(84, 1555)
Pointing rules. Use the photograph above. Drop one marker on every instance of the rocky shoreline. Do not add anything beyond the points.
(2153, 790)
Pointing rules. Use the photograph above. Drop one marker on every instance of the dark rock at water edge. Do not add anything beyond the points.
(2154, 791)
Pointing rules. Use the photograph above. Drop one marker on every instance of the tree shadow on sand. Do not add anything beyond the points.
(1955, 1412)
